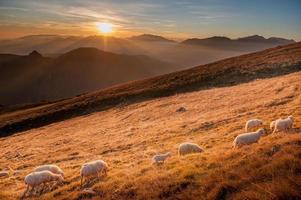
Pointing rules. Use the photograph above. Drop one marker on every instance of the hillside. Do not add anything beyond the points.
(34, 78)
(232, 71)
(127, 136)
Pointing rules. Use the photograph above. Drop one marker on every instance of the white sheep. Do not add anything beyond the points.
(253, 123)
(37, 178)
(187, 148)
(52, 168)
(248, 138)
(93, 168)
(284, 124)
(160, 158)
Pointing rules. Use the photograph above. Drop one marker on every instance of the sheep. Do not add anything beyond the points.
(41, 177)
(253, 123)
(160, 158)
(93, 168)
(284, 124)
(248, 138)
(52, 168)
(187, 148)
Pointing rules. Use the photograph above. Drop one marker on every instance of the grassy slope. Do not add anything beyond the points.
(267, 63)
(128, 136)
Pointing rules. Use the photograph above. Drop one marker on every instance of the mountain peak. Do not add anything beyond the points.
(150, 38)
(252, 38)
(35, 54)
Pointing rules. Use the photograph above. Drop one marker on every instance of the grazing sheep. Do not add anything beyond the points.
(37, 178)
(93, 168)
(160, 158)
(52, 168)
(248, 138)
(187, 148)
(253, 123)
(284, 124)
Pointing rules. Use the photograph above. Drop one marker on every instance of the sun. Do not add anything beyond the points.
(105, 28)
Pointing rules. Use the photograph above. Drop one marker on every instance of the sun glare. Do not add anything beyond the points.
(105, 28)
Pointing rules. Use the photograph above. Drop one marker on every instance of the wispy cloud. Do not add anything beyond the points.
(157, 16)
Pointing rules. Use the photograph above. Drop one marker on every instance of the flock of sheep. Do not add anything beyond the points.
(49, 173)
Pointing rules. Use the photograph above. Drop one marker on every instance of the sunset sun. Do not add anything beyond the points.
(105, 28)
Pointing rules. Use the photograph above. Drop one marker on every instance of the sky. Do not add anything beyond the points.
(169, 18)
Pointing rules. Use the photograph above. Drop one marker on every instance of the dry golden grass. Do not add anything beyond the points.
(128, 136)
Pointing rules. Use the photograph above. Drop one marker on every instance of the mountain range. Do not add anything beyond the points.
(62, 67)
(250, 43)
(34, 78)
(188, 53)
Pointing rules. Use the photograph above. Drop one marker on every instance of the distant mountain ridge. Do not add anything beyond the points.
(150, 38)
(249, 42)
(188, 53)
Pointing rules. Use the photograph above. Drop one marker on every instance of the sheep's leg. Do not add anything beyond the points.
(25, 192)
(81, 181)
(32, 190)
(43, 188)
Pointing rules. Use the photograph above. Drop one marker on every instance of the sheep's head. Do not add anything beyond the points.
(199, 150)
(261, 131)
(168, 154)
(59, 178)
(106, 167)
(61, 173)
(291, 118)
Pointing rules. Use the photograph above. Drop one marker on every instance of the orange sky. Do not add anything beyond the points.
(169, 18)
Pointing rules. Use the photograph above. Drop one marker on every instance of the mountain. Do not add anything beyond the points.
(191, 52)
(150, 38)
(231, 71)
(250, 43)
(34, 78)
(212, 41)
